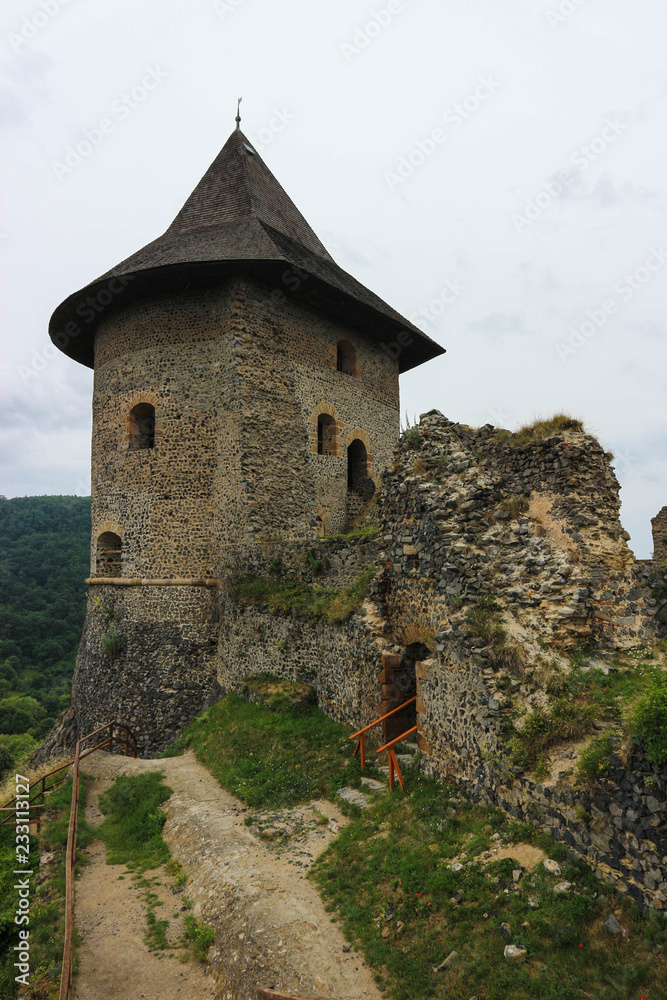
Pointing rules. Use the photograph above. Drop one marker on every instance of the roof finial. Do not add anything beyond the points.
(238, 113)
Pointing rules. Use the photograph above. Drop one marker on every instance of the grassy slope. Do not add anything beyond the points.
(392, 861)
(270, 759)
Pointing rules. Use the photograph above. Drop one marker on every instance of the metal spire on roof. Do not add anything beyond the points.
(238, 113)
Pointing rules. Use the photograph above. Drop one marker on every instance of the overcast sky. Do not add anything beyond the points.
(494, 169)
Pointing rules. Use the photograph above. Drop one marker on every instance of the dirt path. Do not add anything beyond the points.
(114, 961)
(271, 929)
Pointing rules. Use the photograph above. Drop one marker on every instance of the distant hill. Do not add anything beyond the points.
(44, 562)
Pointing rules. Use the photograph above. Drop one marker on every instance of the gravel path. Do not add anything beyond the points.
(271, 929)
(114, 961)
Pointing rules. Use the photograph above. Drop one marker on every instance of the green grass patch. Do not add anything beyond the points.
(391, 867)
(199, 937)
(583, 696)
(594, 760)
(271, 759)
(132, 832)
(279, 695)
(649, 718)
(485, 621)
(540, 429)
(132, 828)
(298, 599)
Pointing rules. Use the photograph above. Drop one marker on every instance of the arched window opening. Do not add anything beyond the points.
(358, 480)
(326, 435)
(346, 358)
(109, 554)
(142, 427)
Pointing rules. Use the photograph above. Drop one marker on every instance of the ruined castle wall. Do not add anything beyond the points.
(341, 660)
(467, 514)
(165, 672)
(659, 526)
(619, 827)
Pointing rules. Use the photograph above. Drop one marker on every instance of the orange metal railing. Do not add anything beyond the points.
(130, 749)
(393, 763)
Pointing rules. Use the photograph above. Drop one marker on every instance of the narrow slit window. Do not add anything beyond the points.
(358, 480)
(326, 435)
(346, 358)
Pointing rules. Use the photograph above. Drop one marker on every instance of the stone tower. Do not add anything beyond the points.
(245, 387)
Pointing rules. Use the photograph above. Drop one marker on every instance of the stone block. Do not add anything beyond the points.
(391, 661)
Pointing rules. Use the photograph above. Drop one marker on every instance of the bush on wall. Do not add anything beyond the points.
(650, 720)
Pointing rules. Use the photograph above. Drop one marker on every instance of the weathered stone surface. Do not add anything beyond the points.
(562, 888)
(515, 954)
(612, 926)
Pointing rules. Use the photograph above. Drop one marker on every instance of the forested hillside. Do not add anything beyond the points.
(43, 566)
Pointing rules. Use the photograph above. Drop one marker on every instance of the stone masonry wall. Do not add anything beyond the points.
(237, 382)
(165, 672)
(619, 827)
(659, 526)
(285, 363)
(341, 660)
(469, 514)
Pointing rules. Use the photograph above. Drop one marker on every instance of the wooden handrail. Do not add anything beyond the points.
(361, 742)
(41, 792)
(397, 739)
(393, 762)
(130, 748)
(70, 859)
(383, 717)
(70, 867)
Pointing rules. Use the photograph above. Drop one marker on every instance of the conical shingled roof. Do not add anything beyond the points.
(238, 220)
